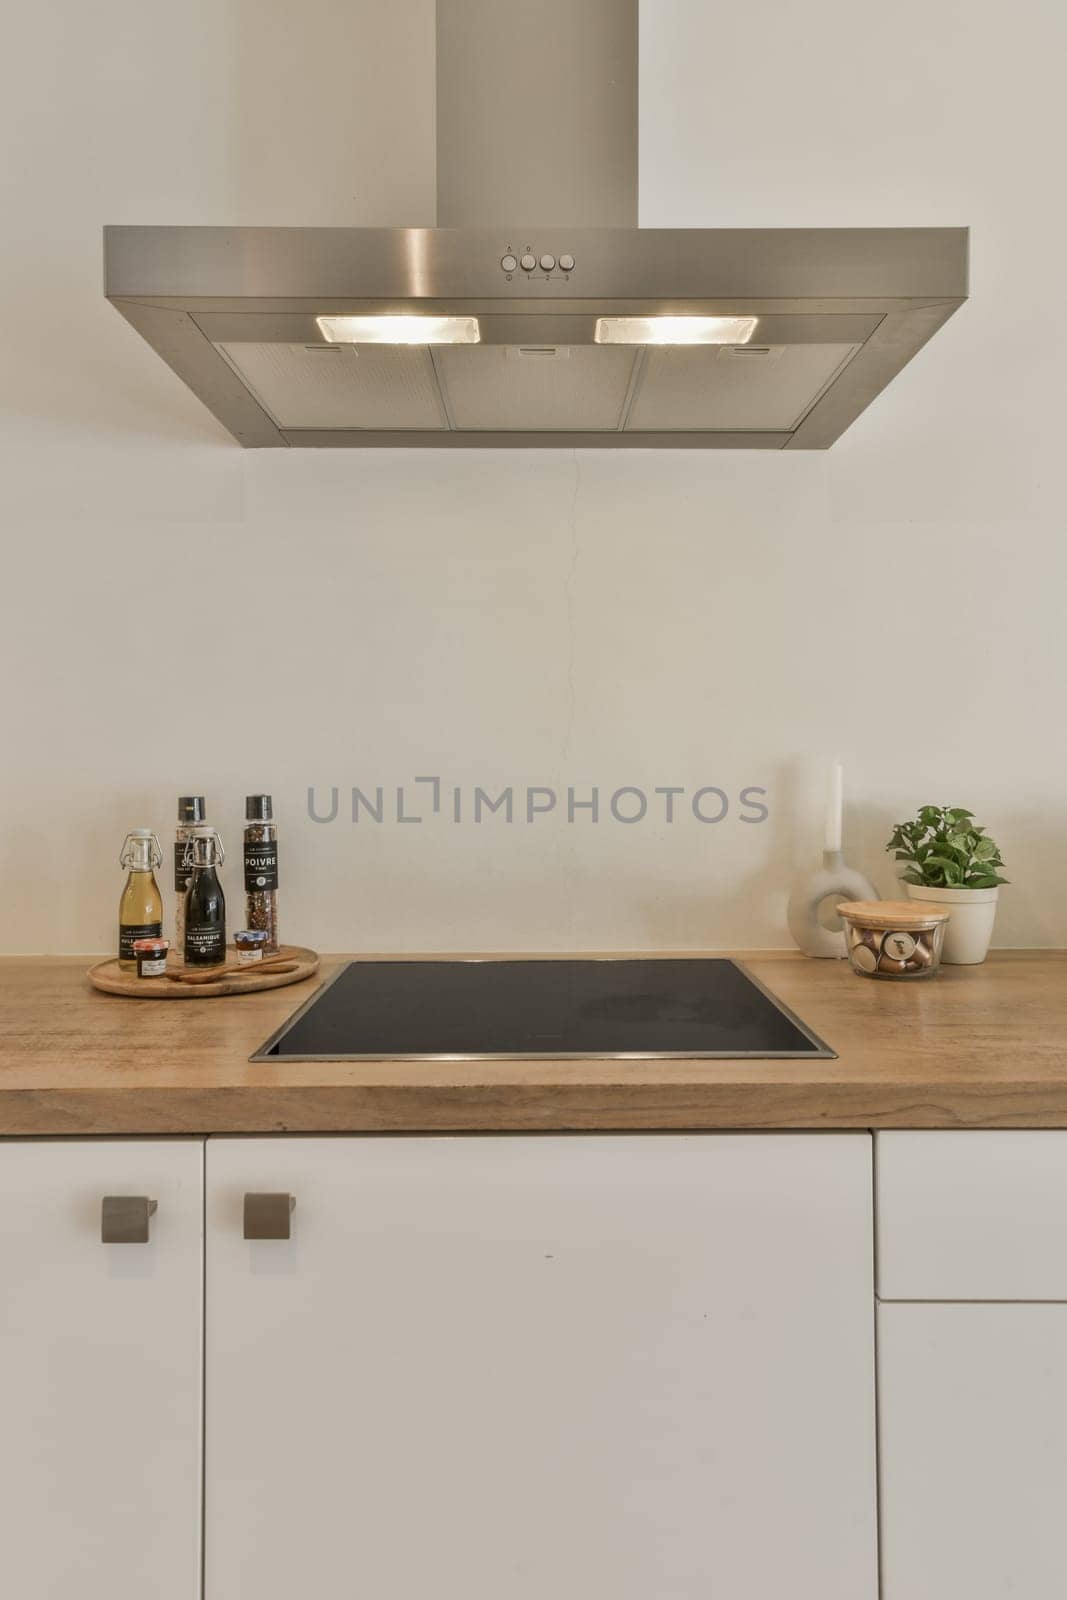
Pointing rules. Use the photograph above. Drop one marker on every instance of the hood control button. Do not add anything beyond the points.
(508, 263)
(566, 263)
(528, 263)
(547, 263)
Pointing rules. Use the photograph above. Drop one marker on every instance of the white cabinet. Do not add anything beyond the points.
(100, 1373)
(972, 1215)
(974, 1451)
(493, 1368)
(973, 1397)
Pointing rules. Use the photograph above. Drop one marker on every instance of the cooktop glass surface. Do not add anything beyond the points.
(471, 1010)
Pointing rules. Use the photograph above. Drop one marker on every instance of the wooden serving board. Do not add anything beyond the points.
(113, 979)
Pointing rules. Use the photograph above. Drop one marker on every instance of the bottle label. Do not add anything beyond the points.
(182, 873)
(205, 947)
(261, 865)
(128, 932)
(152, 967)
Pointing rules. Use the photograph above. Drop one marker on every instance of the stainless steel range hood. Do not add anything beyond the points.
(778, 338)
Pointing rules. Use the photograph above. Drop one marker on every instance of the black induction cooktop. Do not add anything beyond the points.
(474, 1010)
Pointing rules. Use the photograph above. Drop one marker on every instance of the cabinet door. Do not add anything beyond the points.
(974, 1450)
(100, 1373)
(972, 1215)
(493, 1368)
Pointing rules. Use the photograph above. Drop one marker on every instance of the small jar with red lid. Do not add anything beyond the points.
(151, 956)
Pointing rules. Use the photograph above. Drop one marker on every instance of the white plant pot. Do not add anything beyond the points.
(970, 923)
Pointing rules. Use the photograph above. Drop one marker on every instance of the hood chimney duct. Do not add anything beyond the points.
(537, 113)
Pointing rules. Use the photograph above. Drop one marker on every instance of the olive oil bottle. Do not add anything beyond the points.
(141, 906)
(205, 903)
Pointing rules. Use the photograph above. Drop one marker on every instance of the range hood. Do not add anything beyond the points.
(581, 329)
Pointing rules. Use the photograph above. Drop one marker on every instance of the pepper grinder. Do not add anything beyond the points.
(834, 880)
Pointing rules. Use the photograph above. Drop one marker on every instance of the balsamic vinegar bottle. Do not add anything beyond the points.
(141, 906)
(205, 903)
(190, 814)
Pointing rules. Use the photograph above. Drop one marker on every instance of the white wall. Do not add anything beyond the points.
(538, 618)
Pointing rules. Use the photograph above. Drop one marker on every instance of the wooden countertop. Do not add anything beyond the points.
(976, 1047)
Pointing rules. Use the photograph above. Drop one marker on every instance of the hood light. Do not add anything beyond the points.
(674, 330)
(399, 330)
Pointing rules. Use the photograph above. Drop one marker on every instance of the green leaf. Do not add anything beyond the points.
(911, 876)
(946, 845)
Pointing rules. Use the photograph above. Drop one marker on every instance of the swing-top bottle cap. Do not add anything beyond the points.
(204, 847)
(140, 850)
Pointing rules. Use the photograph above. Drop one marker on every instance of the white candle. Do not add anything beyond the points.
(834, 803)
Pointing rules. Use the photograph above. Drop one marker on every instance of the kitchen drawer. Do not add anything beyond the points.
(973, 1448)
(972, 1216)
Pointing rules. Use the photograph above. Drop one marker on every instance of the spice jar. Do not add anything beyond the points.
(151, 957)
(250, 943)
(261, 867)
(893, 938)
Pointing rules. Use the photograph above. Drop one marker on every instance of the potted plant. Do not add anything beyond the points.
(954, 863)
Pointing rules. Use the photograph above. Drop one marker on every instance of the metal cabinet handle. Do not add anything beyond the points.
(124, 1218)
(267, 1216)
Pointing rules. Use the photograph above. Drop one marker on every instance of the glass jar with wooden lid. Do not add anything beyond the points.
(893, 938)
